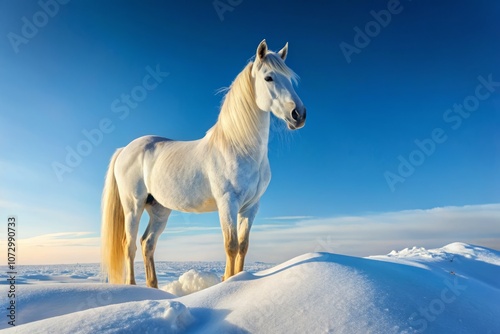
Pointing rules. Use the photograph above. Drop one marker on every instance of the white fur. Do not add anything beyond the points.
(227, 170)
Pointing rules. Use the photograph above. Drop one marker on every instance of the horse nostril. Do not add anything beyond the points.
(295, 114)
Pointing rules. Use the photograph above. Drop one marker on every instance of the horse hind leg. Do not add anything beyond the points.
(133, 212)
(158, 216)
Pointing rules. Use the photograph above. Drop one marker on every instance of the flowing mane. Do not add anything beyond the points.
(238, 125)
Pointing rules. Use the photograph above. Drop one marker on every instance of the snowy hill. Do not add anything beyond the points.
(453, 289)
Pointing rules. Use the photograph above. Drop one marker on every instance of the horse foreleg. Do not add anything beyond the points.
(228, 224)
(242, 252)
(158, 216)
(231, 246)
(245, 220)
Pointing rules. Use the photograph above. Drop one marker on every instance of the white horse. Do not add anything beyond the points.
(226, 171)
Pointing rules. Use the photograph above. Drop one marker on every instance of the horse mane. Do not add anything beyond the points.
(238, 125)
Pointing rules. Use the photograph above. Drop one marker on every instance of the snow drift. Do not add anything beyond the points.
(454, 289)
(191, 281)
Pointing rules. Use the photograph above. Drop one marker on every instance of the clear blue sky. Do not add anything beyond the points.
(362, 114)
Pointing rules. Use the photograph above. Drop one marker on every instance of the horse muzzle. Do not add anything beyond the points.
(297, 118)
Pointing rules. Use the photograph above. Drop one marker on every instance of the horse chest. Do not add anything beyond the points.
(251, 181)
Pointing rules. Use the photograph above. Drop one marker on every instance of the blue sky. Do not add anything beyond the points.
(365, 110)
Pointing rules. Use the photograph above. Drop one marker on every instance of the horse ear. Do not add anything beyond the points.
(262, 50)
(284, 52)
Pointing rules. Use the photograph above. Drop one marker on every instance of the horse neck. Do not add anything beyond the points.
(246, 142)
(261, 138)
(242, 128)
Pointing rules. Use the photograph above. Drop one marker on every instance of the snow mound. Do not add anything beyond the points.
(134, 317)
(467, 261)
(191, 281)
(309, 294)
(473, 252)
(329, 293)
(36, 302)
(449, 252)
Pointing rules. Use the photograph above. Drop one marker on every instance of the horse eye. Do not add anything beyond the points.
(268, 79)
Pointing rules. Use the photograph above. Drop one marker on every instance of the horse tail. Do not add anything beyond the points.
(112, 229)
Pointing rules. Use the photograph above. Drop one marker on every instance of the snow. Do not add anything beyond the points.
(191, 281)
(452, 289)
(165, 316)
(448, 252)
(79, 297)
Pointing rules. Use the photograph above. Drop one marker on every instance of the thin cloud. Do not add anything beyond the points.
(364, 235)
(376, 233)
(290, 218)
(381, 233)
(57, 248)
(10, 205)
(66, 239)
(190, 229)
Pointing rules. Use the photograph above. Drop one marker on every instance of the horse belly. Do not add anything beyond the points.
(196, 203)
(188, 195)
(207, 205)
